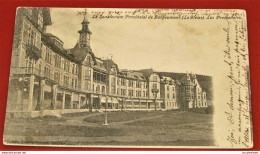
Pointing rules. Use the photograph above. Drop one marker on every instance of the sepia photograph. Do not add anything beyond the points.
(98, 77)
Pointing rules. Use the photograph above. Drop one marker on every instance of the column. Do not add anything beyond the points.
(147, 104)
(90, 102)
(30, 101)
(54, 96)
(124, 102)
(41, 95)
(63, 100)
(79, 101)
(99, 101)
(71, 100)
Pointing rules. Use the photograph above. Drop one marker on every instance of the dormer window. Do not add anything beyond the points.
(155, 78)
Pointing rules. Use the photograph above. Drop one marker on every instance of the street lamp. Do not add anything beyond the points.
(105, 122)
(155, 91)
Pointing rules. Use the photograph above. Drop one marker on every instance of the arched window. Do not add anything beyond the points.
(57, 76)
(76, 83)
(103, 89)
(47, 71)
(155, 78)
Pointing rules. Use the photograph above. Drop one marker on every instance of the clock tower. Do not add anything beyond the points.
(84, 34)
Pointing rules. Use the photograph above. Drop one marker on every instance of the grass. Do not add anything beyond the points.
(119, 116)
(176, 119)
(62, 130)
(140, 128)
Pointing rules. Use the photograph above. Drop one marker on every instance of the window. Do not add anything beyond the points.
(103, 89)
(48, 55)
(154, 86)
(138, 93)
(173, 88)
(88, 60)
(173, 96)
(88, 73)
(98, 89)
(72, 82)
(57, 59)
(76, 83)
(47, 72)
(87, 85)
(30, 36)
(123, 82)
(57, 76)
(168, 88)
(155, 78)
(66, 79)
(123, 92)
(130, 83)
(144, 94)
(130, 92)
(168, 96)
(204, 96)
(66, 65)
(138, 84)
(72, 69)
(76, 69)
(113, 89)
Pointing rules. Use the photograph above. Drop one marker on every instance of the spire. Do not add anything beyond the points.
(84, 33)
(85, 19)
(85, 23)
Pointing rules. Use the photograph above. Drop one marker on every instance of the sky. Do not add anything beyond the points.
(164, 45)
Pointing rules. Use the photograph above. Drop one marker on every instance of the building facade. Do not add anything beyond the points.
(191, 93)
(46, 77)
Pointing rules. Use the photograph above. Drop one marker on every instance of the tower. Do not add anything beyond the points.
(84, 33)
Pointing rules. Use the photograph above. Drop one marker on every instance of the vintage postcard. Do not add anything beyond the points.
(151, 78)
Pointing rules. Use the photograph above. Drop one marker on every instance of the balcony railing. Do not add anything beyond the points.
(50, 76)
(33, 52)
(40, 73)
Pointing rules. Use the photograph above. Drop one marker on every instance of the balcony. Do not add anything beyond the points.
(33, 52)
(40, 73)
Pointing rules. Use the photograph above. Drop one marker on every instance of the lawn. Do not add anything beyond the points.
(120, 116)
(156, 128)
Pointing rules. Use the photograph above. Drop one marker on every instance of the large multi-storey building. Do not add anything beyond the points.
(46, 77)
(191, 94)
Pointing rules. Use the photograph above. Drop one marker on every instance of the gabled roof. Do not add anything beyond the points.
(46, 41)
(189, 79)
(108, 63)
(147, 72)
(133, 74)
(99, 64)
(81, 53)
